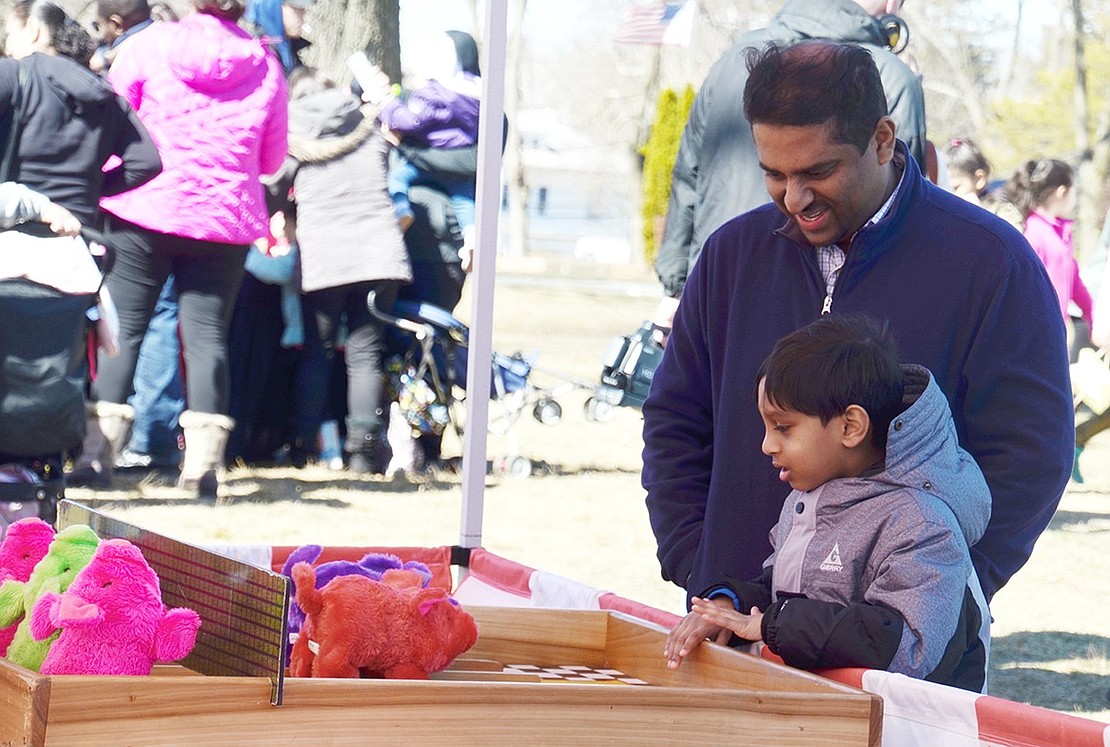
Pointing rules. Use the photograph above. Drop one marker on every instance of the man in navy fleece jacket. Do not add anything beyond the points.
(863, 232)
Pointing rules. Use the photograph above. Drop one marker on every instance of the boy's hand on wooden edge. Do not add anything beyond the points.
(689, 632)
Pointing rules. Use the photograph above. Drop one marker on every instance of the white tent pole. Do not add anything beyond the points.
(480, 344)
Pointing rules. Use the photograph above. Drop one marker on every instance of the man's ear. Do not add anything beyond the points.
(856, 426)
(884, 140)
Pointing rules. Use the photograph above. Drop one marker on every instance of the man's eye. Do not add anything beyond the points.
(781, 428)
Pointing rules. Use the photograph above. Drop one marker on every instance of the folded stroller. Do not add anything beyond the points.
(626, 373)
(428, 366)
(43, 366)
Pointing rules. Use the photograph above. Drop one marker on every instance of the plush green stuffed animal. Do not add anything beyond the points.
(71, 550)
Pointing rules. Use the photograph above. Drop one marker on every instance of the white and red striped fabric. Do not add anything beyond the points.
(915, 713)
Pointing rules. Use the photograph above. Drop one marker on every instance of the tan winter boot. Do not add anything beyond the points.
(206, 436)
(107, 428)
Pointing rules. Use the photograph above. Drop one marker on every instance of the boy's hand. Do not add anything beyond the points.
(60, 220)
(691, 631)
(748, 627)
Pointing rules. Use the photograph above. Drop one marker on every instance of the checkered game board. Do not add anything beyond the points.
(574, 673)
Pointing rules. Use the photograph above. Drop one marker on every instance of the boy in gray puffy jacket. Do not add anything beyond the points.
(870, 566)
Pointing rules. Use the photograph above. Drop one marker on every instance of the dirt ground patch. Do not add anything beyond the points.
(581, 514)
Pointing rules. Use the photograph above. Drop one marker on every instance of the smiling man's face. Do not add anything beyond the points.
(829, 189)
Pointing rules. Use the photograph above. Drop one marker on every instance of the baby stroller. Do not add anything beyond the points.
(626, 373)
(429, 372)
(43, 365)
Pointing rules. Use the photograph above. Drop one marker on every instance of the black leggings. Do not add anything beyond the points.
(207, 274)
(363, 352)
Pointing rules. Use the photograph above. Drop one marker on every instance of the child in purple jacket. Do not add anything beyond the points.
(442, 113)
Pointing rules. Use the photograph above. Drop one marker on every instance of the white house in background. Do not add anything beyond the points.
(583, 191)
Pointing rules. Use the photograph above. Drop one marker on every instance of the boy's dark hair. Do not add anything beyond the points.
(836, 361)
(814, 82)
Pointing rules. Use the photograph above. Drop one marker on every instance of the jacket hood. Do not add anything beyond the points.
(212, 55)
(843, 20)
(329, 113)
(75, 85)
(327, 125)
(923, 454)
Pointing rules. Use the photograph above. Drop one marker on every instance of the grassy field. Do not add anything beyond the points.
(581, 514)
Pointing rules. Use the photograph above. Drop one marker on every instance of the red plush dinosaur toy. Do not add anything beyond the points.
(393, 628)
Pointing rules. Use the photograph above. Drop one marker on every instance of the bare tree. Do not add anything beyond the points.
(513, 163)
(1088, 192)
(1015, 50)
(341, 27)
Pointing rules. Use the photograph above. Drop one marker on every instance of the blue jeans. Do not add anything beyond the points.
(402, 175)
(158, 399)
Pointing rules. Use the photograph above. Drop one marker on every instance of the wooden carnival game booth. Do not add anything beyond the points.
(556, 662)
(536, 676)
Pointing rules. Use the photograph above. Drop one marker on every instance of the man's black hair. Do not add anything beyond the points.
(133, 12)
(814, 82)
(836, 361)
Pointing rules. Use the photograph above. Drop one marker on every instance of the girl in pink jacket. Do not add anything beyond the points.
(214, 102)
(1044, 191)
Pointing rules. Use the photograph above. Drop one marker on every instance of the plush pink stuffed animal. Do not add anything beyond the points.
(112, 618)
(393, 628)
(24, 546)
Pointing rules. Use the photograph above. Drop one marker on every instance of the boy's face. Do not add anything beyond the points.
(807, 453)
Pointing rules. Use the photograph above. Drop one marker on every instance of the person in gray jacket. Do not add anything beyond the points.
(717, 175)
(349, 245)
(870, 566)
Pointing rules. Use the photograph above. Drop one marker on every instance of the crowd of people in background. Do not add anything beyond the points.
(220, 359)
(226, 159)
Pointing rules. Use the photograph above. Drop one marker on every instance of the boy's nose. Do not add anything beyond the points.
(768, 445)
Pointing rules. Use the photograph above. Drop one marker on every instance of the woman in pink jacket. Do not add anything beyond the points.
(214, 102)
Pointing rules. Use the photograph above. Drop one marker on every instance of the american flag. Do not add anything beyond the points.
(667, 23)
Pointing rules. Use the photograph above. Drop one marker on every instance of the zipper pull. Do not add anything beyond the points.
(827, 306)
